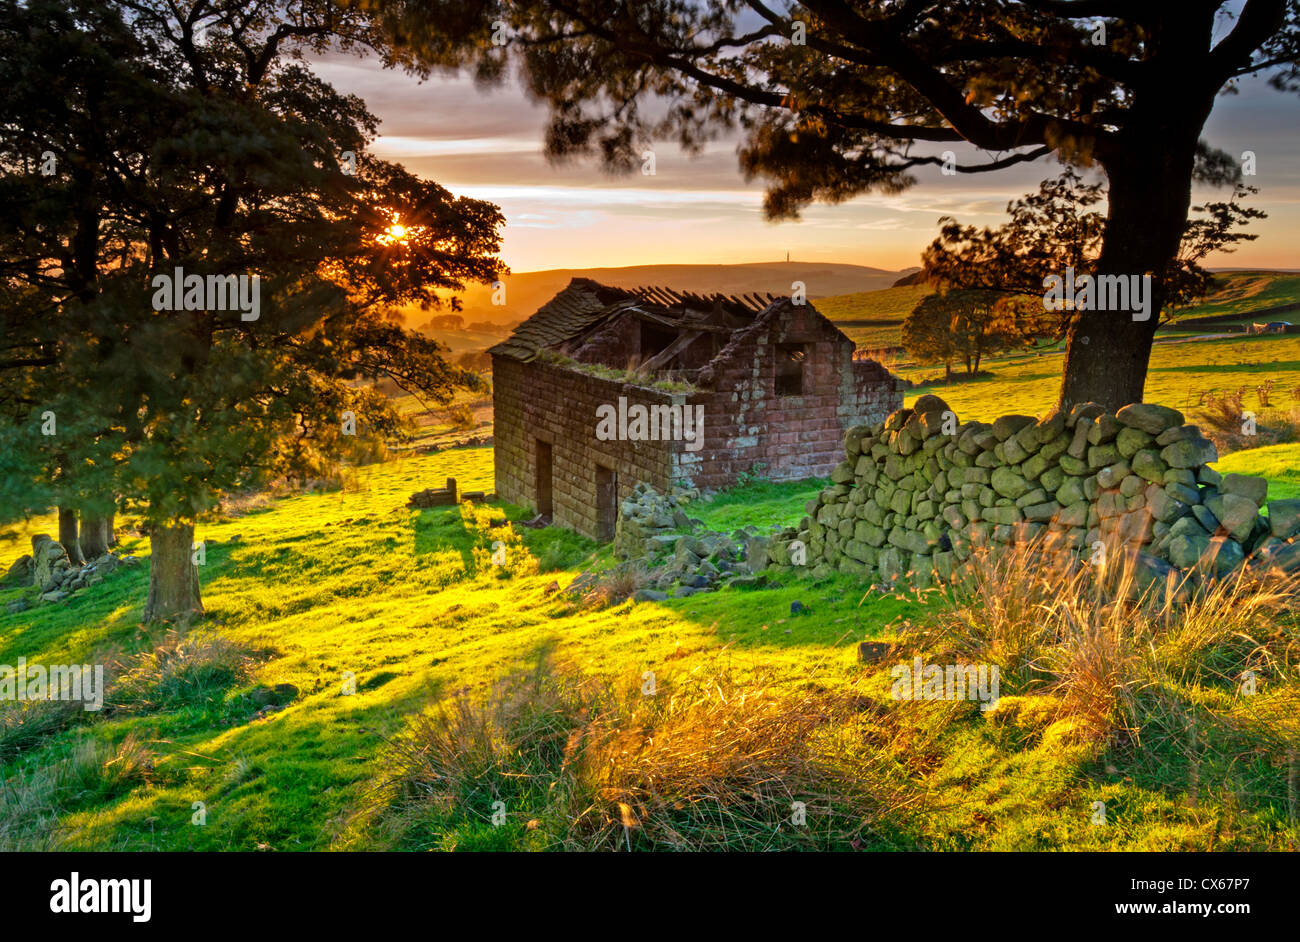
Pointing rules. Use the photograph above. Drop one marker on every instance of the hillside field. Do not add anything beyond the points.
(874, 319)
(303, 588)
(468, 672)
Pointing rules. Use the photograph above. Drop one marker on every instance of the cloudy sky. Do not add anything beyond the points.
(488, 144)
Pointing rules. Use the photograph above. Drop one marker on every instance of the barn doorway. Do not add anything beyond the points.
(545, 503)
(606, 503)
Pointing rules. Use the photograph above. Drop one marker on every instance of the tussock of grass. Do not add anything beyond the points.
(551, 759)
(597, 590)
(33, 798)
(1155, 675)
(183, 668)
(23, 725)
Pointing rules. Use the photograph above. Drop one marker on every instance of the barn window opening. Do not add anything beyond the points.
(791, 363)
(654, 340)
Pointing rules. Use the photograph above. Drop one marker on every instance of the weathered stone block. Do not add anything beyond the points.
(1104, 429)
(1111, 475)
(1190, 453)
(1101, 455)
(1006, 426)
(1284, 518)
(1131, 440)
(1149, 417)
(1243, 485)
(1008, 483)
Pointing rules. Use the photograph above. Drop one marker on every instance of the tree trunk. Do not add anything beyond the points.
(94, 535)
(110, 522)
(1149, 194)
(1106, 360)
(68, 535)
(173, 577)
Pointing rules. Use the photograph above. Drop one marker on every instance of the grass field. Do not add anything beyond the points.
(874, 319)
(353, 581)
(1181, 371)
(1244, 292)
(473, 679)
(307, 589)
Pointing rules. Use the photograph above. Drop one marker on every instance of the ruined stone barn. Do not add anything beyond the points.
(604, 388)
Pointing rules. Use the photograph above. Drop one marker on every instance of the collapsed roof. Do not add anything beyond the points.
(680, 331)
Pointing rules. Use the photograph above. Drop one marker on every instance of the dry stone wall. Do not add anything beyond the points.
(918, 493)
(54, 576)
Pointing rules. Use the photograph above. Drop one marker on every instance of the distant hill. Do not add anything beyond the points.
(527, 291)
(874, 319)
(1245, 292)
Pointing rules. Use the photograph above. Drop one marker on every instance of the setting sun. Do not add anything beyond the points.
(396, 233)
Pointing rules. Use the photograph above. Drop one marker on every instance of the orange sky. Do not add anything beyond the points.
(487, 144)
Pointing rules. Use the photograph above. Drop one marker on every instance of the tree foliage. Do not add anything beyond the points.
(965, 326)
(192, 136)
(1058, 228)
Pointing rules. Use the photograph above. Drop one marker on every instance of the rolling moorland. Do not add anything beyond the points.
(506, 707)
(527, 291)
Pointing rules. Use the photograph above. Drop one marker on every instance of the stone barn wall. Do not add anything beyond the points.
(557, 405)
(917, 493)
(792, 437)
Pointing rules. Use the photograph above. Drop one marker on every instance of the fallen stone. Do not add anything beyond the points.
(1284, 556)
(873, 652)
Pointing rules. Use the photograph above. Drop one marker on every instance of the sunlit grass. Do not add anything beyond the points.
(410, 604)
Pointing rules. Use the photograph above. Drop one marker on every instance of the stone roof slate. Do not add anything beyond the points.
(585, 303)
(579, 306)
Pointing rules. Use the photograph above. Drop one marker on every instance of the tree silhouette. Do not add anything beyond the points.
(188, 136)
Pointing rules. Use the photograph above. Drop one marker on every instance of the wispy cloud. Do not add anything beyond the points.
(488, 144)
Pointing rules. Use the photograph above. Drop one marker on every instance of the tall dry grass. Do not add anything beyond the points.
(1126, 653)
(33, 798)
(1223, 419)
(583, 763)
